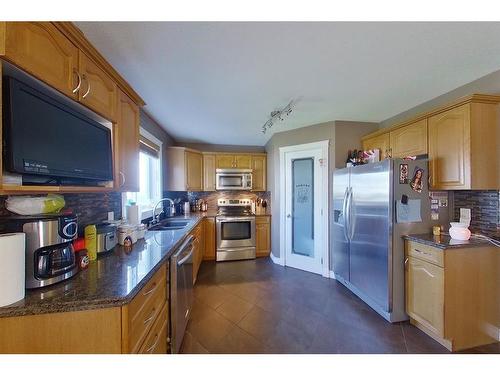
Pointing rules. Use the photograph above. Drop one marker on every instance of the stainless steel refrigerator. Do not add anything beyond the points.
(374, 206)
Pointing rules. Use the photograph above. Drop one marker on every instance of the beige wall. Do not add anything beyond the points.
(348, 137)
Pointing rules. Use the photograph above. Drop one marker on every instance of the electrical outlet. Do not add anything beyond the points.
(111, 216)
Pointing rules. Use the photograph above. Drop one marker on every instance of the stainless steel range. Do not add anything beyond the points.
(235, 227)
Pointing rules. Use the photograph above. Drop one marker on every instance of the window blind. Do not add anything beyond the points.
(149, 147)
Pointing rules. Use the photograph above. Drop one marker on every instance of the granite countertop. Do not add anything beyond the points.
(444, 241)
(112, 280)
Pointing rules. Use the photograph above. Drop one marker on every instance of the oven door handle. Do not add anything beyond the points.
(233, 219)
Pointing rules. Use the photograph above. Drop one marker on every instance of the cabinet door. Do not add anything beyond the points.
(449, 149)
(194, 171)
(259, 167)
(209, 252)
(225, 161)
(380, 142)
(209, 172)
(425, 294)
(243, 161)
(98, 90)
(41, 50)
(409, 140)
(262, 236)
(126, 145)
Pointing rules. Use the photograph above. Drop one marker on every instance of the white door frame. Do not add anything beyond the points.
(325, 213)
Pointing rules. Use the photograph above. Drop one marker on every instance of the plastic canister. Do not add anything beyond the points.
(90, 233)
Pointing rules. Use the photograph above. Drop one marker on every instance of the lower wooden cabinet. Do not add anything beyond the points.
(140, 326)
(262, 236)
(425, 294)
(156, 341)
(452, 295)
(209, 224)
(140, 315)
(199, 248)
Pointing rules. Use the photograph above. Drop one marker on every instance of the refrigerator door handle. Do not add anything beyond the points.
(344, 213)
(352, 222)
(348, 214)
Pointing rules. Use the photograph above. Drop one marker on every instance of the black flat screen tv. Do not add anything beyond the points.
(44, 137)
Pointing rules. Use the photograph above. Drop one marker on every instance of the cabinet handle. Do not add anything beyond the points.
(151, 317)
(152, 347)
(79, 81)
(88, 84)
(151, 290)
(123, 178)
(406, 262)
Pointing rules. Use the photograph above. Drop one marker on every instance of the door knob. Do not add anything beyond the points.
(288, 216)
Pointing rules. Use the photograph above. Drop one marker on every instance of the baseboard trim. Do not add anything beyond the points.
(332, 275)
(277, 260)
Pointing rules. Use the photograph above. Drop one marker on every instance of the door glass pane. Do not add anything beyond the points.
(303, 207)
(236, 231)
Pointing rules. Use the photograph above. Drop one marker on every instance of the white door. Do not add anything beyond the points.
(306, 208)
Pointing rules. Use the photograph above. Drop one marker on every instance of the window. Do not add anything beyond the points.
(150, 176)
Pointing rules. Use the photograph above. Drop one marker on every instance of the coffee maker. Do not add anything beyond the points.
(50, 256)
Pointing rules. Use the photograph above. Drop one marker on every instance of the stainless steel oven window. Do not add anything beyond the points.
(240, 230)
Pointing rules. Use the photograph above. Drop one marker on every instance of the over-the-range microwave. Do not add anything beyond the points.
(233, 179)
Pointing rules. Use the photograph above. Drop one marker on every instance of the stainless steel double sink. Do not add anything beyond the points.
(170, 224)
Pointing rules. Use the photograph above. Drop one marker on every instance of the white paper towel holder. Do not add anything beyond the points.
(12, 268)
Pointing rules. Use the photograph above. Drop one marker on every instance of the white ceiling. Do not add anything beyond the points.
(218, 82)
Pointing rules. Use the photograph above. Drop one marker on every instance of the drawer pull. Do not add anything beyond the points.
(146, 321)
(421, 252)
(152, 347)
(150, 290)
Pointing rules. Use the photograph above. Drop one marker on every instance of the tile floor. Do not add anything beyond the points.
(256, 306)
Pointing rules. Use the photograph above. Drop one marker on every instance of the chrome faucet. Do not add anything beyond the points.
(172, 209)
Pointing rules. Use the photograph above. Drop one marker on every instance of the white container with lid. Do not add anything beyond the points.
(127, 230)
(459, 231)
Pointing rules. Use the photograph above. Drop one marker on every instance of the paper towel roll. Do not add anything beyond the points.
(12, 268)
(133, 214)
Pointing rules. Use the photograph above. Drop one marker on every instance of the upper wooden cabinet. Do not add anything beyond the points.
(462, 141)
(259, 172)
(43, 51)
(98, 91)
(238, 161)
(380, 142)
(463, 148)
(194, 171)
(262, 236)
(208, 171)
(184, 169)
(409, 140)
(126, 144)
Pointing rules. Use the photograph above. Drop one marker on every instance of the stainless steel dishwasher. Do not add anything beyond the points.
(181, 291)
